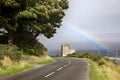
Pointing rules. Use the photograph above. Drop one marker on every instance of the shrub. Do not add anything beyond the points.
(91, 56)
(1, 55)
(76, 54)
(94, 57)
(3, 51)
(86, 55)
(101, 62)
(27, 42)
(15, 56)
(1, 64)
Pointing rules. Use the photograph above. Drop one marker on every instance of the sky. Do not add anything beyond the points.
(88, 24)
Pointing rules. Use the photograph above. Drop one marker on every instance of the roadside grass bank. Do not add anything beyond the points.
(38, 60)
(10, 67)
(101, 68)
(17, 60)
(96, 72)
(107, 71)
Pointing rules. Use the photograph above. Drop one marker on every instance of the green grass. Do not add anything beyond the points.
(9, 66)
(96, 73)
(27, 62)
(101, 68)
(107, 71)
(38, 60)
(12, 70)
(46, 60)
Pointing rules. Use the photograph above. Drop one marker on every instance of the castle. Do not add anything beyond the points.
(65, 50)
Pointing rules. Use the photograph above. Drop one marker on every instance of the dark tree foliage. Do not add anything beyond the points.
(35, 17)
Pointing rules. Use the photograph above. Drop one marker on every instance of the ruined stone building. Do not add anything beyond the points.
(65, 50)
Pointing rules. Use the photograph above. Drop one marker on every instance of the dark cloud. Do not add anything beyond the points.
(98, 17)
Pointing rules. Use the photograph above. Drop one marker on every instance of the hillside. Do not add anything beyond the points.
(17, 60)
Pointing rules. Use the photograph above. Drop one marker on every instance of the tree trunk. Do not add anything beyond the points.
(10, 40)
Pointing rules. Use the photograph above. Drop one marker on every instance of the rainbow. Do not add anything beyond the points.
(86, 35)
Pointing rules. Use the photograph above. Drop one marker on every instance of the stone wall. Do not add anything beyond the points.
(65, 50)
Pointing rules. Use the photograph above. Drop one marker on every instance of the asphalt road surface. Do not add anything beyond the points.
(118, 62)
(62, 69)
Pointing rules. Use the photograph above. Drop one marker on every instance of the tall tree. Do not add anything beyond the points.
(34, 16)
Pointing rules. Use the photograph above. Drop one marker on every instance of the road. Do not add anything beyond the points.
(62, 69)
(118, 62)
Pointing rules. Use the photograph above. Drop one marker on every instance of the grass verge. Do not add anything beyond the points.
(9, 70)
(96, 72)
(108, 71)
(46, 60)
(38, 60)
(9, 67)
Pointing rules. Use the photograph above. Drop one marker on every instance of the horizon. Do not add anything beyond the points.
(88, 25)
(110, 52)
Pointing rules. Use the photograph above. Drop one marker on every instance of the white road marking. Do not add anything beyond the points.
(59, 68)
(64, 65)
(49, 74)
(69, 62)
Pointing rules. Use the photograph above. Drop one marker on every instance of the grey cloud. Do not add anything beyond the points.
(98, 17)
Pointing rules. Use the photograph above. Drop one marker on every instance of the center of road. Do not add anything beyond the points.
(60, 68)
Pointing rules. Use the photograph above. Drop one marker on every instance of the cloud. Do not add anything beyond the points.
(101, 18)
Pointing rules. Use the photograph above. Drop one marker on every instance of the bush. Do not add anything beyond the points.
(29, 44)
(3, 50)
(97, 58)
(1, 55)
(15, 56)
(101, 62)
(91, 56)
(76, 54)
(1, 64)
(86, 55)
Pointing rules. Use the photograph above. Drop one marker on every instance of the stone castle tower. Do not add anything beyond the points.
(65, 50)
